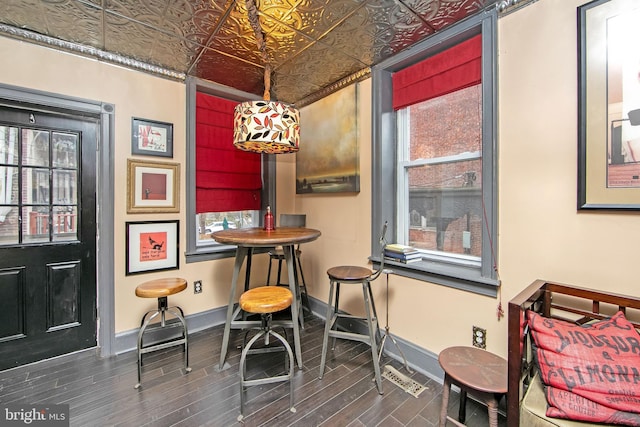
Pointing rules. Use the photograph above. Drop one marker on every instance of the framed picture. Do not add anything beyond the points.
(329, 160)
(152, 246)
(152, 187)
(151, 138)
(609, 105)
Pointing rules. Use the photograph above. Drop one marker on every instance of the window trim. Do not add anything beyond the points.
(195, 253)
(384, 155)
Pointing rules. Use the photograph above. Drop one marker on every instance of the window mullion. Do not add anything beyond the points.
(402, 178)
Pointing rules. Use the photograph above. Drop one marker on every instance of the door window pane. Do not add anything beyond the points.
(35, 224)
(38, 186)
(35, 185)
(8, 186)
(9, 226)
(65, 223)
(8, 145)
(65, 148)
(64, 187)
(35, 147)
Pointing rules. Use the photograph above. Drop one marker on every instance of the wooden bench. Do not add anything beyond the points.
(558, 301)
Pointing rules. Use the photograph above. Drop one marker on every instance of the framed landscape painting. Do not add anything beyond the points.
(328, 160)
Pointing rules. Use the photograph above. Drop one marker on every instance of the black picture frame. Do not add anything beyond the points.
(606, 181)
(152, 246)
(151, 138)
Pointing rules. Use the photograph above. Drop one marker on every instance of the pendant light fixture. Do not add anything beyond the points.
(265, 126)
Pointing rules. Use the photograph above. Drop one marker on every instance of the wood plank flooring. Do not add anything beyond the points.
(100, 392)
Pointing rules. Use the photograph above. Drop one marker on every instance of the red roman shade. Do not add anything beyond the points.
(227, 179)
(453, 69)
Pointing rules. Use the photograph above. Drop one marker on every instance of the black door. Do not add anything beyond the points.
(47, 234)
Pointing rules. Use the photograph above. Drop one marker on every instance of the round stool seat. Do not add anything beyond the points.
(266, 299)
(349, 272)
(476, 371)
(475, 368)
(161, 287)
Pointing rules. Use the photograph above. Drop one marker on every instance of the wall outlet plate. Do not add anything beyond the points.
(197, 287)
(479, 337)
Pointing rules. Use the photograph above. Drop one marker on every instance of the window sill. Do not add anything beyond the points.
(465, 279)
(209, 253)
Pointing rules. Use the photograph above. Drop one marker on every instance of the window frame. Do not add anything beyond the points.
(385, 157)
(194, 252)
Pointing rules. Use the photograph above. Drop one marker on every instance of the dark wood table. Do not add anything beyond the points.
(246, 239)
(476, 371)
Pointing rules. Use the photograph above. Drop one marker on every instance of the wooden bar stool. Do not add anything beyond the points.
(266, 300)
(161, 289)
(350, 274)
(475, 371)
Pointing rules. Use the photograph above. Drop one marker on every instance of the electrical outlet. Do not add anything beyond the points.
(197, 287)
(479, 337)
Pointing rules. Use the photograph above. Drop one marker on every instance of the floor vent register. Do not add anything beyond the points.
(403, 381)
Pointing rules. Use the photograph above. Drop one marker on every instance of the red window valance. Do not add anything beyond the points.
(453, 69)
(227, 179)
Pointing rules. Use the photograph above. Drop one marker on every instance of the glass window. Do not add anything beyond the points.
(200, 245)
(434, 177)
(38, 196)
(210, 222)
(443, 174)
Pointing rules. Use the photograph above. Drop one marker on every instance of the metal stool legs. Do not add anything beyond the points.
(297, 269)
(372, 325)
(162, 310)
(266, 332)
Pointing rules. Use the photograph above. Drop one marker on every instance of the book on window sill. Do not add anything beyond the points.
(403, 261)
(401, 249)
(403, 257)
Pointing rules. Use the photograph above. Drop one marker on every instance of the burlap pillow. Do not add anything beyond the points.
(595, 363)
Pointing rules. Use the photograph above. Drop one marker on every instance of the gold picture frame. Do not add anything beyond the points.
(153, 187)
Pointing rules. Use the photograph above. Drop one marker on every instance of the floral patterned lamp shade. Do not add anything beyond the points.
(266, 127)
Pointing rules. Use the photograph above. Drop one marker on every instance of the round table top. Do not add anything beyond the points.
(257, 237)
(475, 368)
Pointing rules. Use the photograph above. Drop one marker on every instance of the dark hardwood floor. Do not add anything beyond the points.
(100, 392)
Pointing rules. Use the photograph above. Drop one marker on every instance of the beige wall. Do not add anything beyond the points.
(134, 94)
(541, 235)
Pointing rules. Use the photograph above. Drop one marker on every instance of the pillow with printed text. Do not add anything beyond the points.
(590, 372)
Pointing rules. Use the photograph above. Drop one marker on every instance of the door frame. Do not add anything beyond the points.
(105, 112)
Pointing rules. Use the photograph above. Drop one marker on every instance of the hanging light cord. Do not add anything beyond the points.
(252, 11)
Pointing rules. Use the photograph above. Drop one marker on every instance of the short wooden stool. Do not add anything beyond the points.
(475, 371)
(265, 300)
(161, 289)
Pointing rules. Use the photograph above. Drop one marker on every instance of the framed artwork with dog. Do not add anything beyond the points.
(152, 246)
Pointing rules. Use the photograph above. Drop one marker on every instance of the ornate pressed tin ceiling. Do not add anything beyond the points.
(312, 44)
